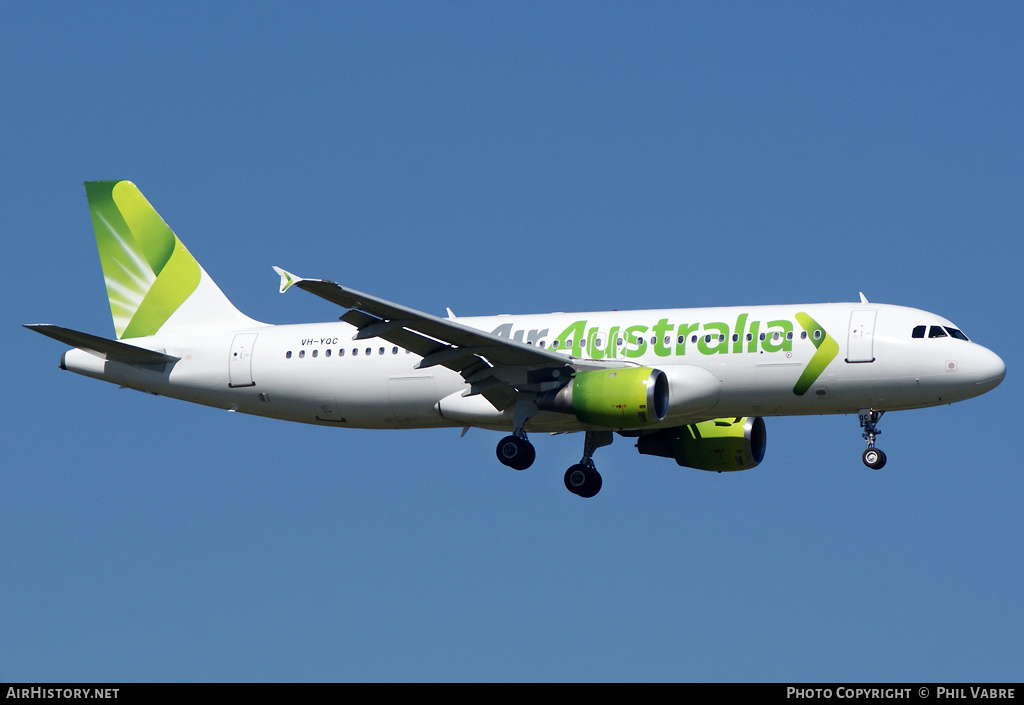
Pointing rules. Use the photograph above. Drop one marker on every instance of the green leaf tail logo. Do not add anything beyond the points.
(148, 272)
(826, 350)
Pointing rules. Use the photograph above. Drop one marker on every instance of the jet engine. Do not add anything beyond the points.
(717, 445)
(627, 397)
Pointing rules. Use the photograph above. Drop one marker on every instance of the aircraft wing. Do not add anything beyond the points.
(494, 366)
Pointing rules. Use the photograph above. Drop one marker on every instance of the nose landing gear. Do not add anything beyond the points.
(872, 457)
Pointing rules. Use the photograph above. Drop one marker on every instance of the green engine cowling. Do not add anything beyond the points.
(718, 445)
(626, 397)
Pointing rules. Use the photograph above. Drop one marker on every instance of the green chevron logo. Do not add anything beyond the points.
(148, 272)
(826, 350)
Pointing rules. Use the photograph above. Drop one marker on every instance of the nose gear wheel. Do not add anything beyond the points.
(872, 457)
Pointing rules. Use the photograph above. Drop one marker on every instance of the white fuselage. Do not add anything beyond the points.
(721, 362)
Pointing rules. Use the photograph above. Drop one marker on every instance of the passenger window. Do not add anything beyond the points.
(302, 353)
(369, 351)
(315, 353)
(381, 351)
(936, 332)
(817, 334)
(918, 332)
(355, 351)
(288, 355)
(341, 352)
(327, 352)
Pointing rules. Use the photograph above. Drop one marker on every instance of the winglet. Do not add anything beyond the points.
(287, 279)
(863, 299)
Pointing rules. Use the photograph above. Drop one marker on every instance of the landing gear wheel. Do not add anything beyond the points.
(515, 452)
(874, 458)
(583, 480)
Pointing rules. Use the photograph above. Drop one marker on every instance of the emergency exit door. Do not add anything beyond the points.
(240, 362)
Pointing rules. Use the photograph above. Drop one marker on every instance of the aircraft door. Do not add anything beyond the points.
(861, 343)
(240, 362)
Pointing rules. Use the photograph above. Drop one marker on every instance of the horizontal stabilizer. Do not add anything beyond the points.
(111, 349)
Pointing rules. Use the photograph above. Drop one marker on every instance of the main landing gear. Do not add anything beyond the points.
(581, 479)
(872, 457)
(516, 451)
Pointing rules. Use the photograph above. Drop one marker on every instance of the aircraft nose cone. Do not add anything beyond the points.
(989, 370)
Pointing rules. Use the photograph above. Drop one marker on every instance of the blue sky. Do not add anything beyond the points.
(512, 157)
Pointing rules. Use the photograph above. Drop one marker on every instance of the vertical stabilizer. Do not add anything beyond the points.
(153, 283)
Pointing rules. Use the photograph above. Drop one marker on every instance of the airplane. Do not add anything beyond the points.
(693, 385)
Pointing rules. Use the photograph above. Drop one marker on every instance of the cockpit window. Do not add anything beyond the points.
(938, 332)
